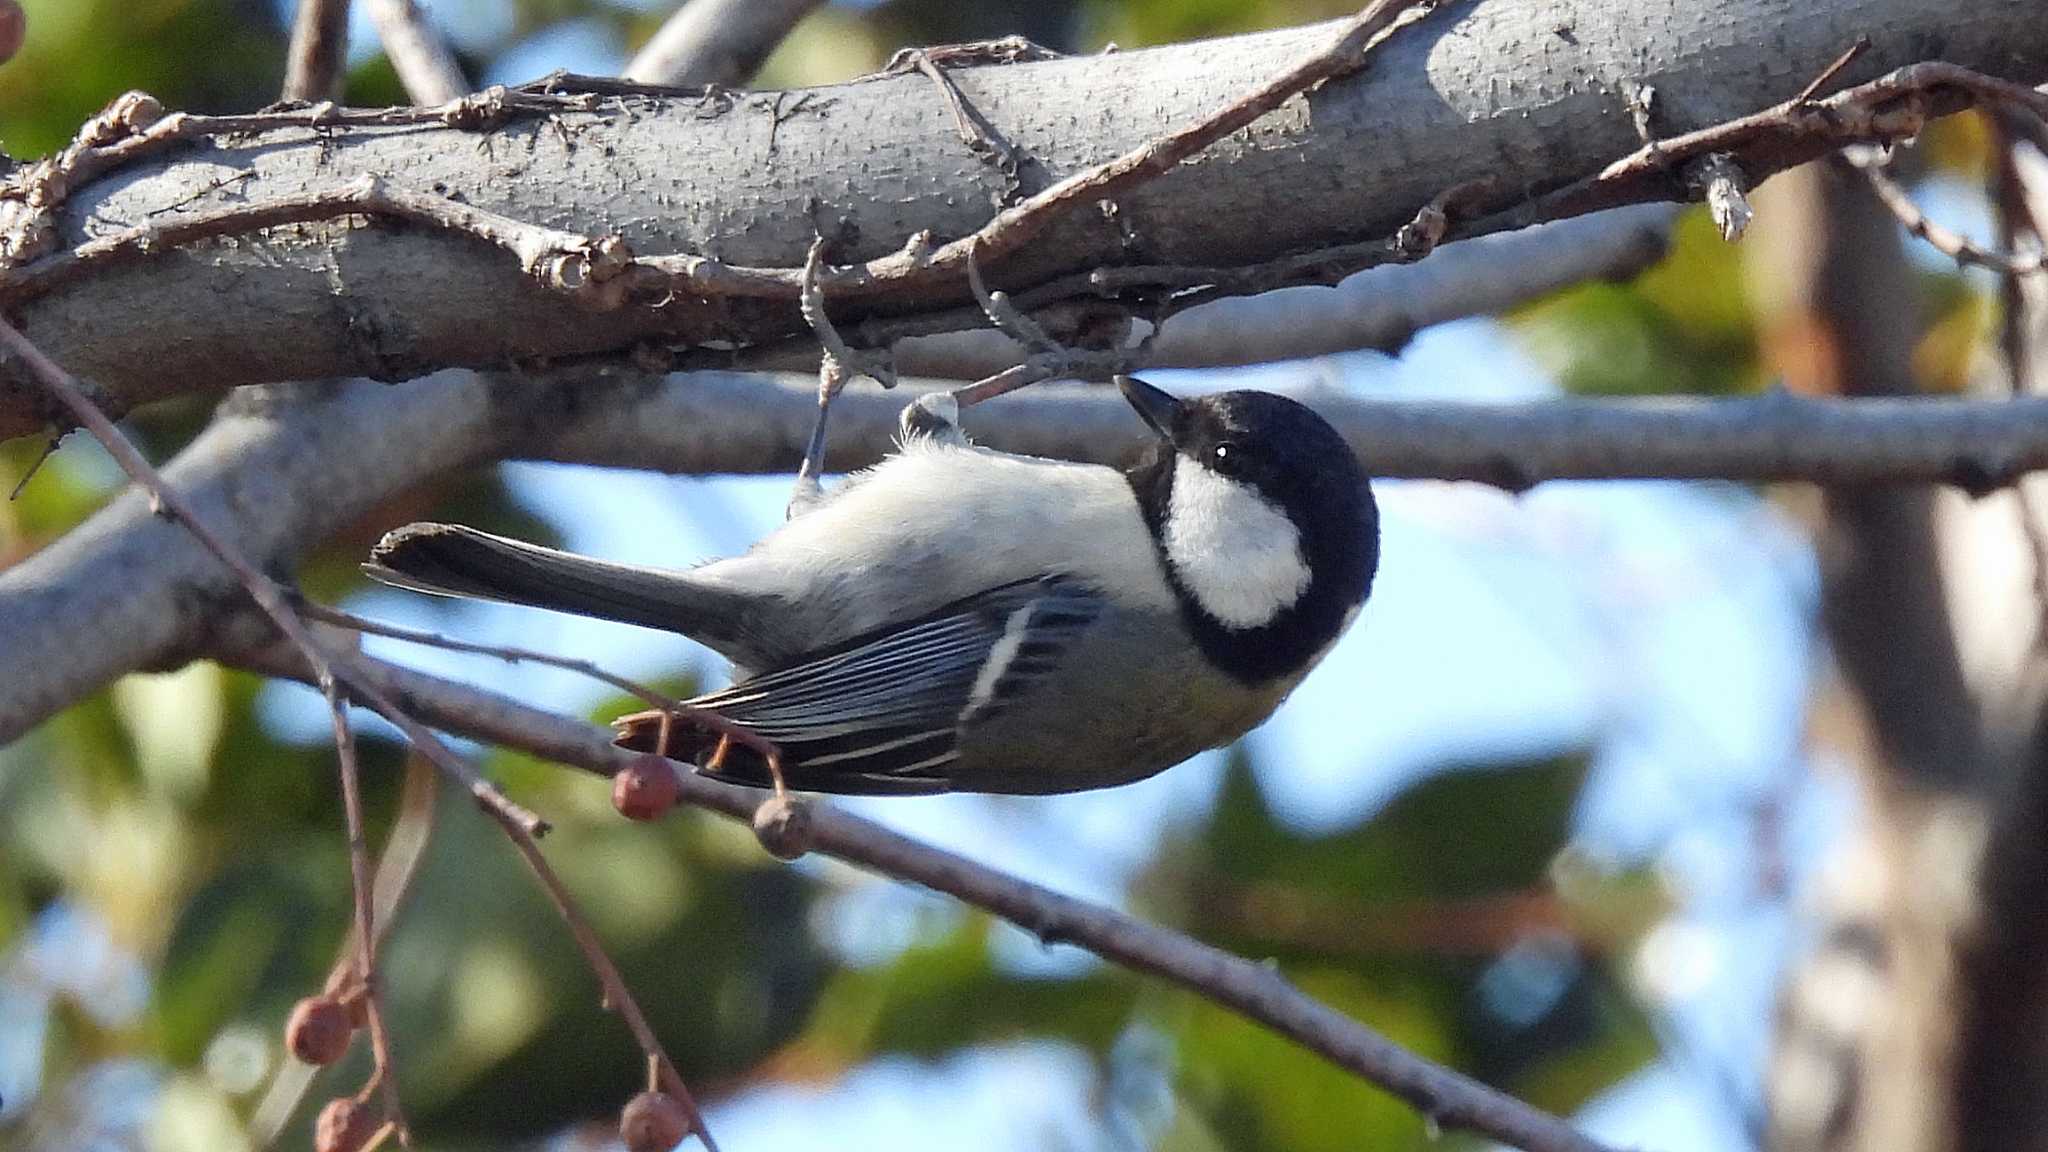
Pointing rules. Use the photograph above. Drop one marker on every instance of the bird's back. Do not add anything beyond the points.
(933, 524)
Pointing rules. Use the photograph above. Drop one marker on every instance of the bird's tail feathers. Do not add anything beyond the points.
(451, 560)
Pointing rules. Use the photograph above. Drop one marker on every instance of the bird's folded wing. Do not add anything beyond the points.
(885, 712)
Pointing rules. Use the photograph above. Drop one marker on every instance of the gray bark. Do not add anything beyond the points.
(1528, 96)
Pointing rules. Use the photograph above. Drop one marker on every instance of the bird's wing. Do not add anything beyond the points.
(884, 713)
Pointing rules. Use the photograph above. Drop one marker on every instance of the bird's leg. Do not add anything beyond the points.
(831, 379)
(728, 734)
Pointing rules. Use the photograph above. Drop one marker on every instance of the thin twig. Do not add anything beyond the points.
(1954, 245)
(425, 64)
(1255, 991)
(1008, 380)
(404, 848)
(975, 131)
(269, 597)
(317, 60)
(1849, 56)
(683, 711)
(616, 996)
(1005, 315)
(330, 675)
(383, 1076)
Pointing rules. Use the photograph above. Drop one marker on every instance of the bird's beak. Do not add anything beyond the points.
(1154, 407)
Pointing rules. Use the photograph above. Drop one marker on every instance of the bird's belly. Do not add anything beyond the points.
(1133, 698)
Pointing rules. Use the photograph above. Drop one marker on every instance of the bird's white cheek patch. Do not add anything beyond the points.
(1235, 551)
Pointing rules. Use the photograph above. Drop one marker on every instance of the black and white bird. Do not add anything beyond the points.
(961, 619)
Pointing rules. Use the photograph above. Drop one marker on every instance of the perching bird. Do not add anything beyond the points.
(961, 619)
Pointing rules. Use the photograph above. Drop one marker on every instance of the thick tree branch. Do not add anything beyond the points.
(716, 41)
(1253, 990)
(1432, 112)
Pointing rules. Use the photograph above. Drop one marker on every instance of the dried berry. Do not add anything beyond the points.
(646, 788)
(653, 1122)
(783, 826)
(318, 1030)
(345, 1125)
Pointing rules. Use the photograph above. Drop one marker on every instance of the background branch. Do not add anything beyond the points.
(317, 61)
(716, 41)
(425, 64)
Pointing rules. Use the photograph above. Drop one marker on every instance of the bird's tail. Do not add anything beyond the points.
(450, 560)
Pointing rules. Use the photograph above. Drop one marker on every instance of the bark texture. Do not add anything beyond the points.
(1522, 98)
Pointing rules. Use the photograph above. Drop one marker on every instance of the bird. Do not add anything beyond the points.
(960, 619)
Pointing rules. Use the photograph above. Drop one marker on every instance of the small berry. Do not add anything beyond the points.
(783, 826)
(646, 788)
(318, 1030)
(345, 1125)
(653, 1122)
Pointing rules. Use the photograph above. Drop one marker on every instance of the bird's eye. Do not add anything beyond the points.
(1224, 453)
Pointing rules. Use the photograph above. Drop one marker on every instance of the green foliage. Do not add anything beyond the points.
(1685, 326)
(215, 55)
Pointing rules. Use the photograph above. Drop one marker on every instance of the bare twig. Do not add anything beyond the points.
(616, 996)
(330, 675)
(682, 711)
(975, 131)
(1892, 107)
(716, 41)
(404, 849)
(1952, 244)
(261, 588)
(367, 978)
(425, 64)
(318, 57)
(1256, 991)
(1849, 56)
(1005, 315)
(566, 261)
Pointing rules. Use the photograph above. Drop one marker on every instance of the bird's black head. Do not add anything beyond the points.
(1265, 523)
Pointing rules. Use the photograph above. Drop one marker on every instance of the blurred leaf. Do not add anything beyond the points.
(1943, 358)
(1684, 326)
(948, 994)
(196, 55)
(1465, 831)
(1262, 1091)
(1959, 145)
